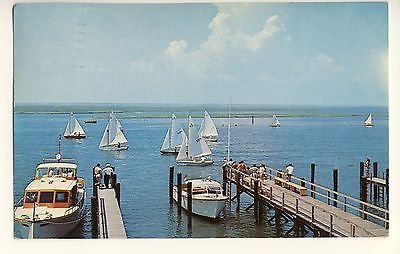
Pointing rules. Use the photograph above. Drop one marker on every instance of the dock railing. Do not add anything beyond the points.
(348, 204)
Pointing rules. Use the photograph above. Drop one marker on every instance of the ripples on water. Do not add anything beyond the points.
(330, 142)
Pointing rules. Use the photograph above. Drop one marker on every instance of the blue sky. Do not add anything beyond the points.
(276, 53)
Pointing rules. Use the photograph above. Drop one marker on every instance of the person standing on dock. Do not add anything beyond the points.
(367, 166)
(97, 173)
(289, 171)
(107, 171)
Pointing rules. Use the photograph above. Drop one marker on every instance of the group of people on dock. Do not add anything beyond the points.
(105, 173)
(257, 171)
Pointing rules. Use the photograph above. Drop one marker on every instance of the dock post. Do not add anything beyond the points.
(256, 208)
(387, 188)
(375, 174)
(335, 186)
(238, 189)
(113, 180)
(312, 180)
(224, 180)
(94, 214)
(117, 189)
(361, 179)
(189, 206)
(171, 184)
(179, 183)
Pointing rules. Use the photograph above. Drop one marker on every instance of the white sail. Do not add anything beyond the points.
(73, 127)
(183, 151)
(208, 128)
(176, 133)
(197, 147)
(166, 143)
(104, 139)
(275, 121)
(113, 134)
(368, 120)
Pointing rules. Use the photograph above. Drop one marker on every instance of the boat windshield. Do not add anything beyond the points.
(55, 172)
(214, 189)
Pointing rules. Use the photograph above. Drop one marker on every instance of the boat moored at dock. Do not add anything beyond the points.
(53, 202)
(207, 197)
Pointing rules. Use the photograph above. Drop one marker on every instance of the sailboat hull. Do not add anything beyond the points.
(275, 125)
(195, 163)
(75, 137)
(211, 138)
(113, 148)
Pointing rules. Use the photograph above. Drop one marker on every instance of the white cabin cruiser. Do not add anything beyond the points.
(207, 197)
(53, 203)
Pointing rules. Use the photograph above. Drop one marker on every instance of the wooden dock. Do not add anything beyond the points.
(107, 219)
(319, 208)
(110, 220)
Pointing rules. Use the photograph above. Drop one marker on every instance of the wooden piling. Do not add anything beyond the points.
(387, 188)
(224, 179)
(94, 214)
(256, 204)
(312, 179)
(238, 190)
(335, 186)
(117, 189)
(179, 183)
(171, 184)
(375, 174)
(189, 205)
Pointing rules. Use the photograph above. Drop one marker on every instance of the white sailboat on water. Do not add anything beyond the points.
(174, 138)
(275, 122)
(74, 129)
(207, 129)
(368, 121)
(113, 137)
(194, 150)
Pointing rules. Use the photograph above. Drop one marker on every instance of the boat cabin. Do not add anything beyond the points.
(53, 193)
(56, 169)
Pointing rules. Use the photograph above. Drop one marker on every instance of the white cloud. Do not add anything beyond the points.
(324, 63)
(223, 40)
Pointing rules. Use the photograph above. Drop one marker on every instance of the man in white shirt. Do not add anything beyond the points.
(289, 171)
(107, 171)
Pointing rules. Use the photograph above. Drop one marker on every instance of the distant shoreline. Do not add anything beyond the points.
(100, 111)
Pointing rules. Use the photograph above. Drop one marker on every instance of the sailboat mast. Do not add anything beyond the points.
(170, 136)
(229, 131)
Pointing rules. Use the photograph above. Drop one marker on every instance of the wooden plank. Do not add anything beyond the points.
(342, 222)
(115, 225)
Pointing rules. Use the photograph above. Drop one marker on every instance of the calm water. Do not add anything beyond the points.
(329, 137)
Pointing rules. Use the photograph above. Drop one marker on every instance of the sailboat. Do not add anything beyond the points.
(207, 129)
(73, 129)
(368, 121)
(174, 138)
(275, 122)
(113, 137)
(194, 150)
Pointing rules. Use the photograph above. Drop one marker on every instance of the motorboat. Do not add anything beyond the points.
(53, 202)
(207, 197)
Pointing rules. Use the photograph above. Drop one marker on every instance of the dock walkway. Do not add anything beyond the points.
(109, 217)
(318, 211)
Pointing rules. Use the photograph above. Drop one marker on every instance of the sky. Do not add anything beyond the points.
(259, 53)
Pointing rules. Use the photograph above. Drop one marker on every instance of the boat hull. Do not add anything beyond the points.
(275, 125)
(52, 228)
(195, 163)
(112, 148)
(172, 151)
(75, 137)
(206, 207)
